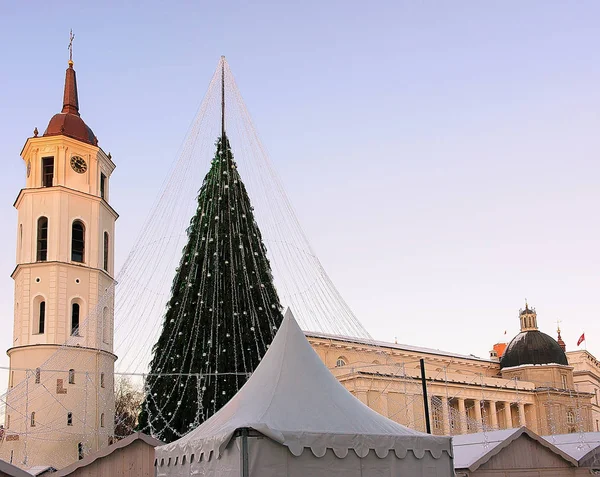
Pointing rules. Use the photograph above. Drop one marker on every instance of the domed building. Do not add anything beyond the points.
(531, 346)
(530, 381)
(536, 357)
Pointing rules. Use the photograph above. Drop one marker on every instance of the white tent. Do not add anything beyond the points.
(293, 418)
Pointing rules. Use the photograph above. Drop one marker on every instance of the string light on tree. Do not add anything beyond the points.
(225, 334)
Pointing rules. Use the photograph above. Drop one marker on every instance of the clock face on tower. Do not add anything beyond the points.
(78, 164)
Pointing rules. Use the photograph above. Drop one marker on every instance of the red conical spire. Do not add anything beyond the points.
(68, 122)
(70, 99)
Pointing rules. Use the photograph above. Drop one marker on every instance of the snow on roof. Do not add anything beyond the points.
(403, 347)
(531, 364)
(473, 450)
(294, 399)
(40, 469)
(576, 445)
(106, 451)
(469, 448)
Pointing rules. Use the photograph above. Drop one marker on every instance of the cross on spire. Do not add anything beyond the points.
(71, 38)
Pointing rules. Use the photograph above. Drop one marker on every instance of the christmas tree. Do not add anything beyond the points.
(223, 313)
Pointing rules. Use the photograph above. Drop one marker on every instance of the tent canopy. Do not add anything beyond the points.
(293, 399)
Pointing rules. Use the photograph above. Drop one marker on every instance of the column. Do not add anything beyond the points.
(362, 397)
(477, 404)
(462, 416)
(493, 415)
(522, 414)
(445, 416)
(384, 404)
(507, 415)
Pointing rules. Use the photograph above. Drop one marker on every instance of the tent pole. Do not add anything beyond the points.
(425, 398)
(245, 472)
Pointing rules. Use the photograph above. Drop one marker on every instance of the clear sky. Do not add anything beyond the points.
(441, 156)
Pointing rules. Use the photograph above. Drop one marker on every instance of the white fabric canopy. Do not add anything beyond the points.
(294, 399)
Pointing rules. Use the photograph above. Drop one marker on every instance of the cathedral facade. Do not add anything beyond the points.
(533, 383)
(60, 400)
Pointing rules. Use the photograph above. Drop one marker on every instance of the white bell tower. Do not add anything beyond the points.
(60, 403)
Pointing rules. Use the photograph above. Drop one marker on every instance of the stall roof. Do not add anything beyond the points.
(580, 446)
(473, 450)
(11, 470)
(88, 459)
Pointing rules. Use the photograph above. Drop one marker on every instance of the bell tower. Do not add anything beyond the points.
(60, 403)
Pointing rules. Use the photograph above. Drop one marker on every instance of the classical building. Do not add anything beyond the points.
(586, 375)
(531, 381)
(60, 403)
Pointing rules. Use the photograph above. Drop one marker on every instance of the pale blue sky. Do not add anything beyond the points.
(441, 156)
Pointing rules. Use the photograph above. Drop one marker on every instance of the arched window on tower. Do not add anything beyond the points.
(38, 375)
(42, 239)
(75, 319)
(42, 317)
(39, 315)
(106, 244)
(78, 242)
(71, 376)
(101, 380)
(33, 419)
(102, 420)
(341, 361)
(69, 418)
(102, 186)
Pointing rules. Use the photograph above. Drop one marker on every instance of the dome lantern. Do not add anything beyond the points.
(528, 318)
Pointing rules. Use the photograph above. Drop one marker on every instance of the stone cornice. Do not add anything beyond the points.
(397, 350)
(587, 355)
(58, 140)
(509, 384)
(56, 262)
(53, 346)
(68, 190)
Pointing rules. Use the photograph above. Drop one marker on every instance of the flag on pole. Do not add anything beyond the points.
(581, 339)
